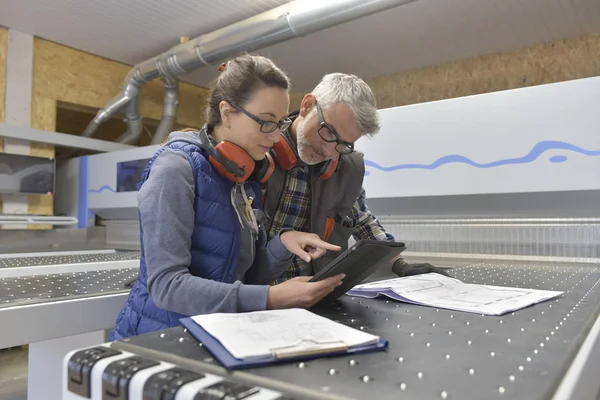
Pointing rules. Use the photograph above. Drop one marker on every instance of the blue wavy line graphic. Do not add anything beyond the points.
(102, 189)
(537, 150)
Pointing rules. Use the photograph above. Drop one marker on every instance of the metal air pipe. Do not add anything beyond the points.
(294, 19)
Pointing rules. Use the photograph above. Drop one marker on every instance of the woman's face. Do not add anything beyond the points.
(267, 104)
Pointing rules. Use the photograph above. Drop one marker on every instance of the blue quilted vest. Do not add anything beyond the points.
(213, 208)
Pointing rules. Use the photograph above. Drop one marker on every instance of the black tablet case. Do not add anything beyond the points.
(358, 262)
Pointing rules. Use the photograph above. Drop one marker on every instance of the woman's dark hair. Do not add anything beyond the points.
(238, 81)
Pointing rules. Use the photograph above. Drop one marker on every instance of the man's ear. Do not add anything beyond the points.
(308, 102)
(225, 110)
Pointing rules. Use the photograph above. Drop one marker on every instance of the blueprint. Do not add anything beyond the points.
(440, 291)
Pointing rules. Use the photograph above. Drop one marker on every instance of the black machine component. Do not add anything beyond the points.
(165, 384)
(80, 368)
(118, 374)
(226, 391)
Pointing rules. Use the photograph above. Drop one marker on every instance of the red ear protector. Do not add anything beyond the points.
(326, 169)
(234, 163)
(286, 158)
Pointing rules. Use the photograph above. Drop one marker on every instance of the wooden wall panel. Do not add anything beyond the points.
(71, 76)
(535, 65)
(63, 74)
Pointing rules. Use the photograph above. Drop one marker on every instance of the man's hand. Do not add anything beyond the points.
(402, 268)
(307, 246)
(298, 292)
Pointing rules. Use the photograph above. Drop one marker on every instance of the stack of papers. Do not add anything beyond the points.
(440, 291)
(278, 334)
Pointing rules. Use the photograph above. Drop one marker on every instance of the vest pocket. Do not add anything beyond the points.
(339, 226)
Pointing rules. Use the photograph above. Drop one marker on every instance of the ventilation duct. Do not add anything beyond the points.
(295, 19)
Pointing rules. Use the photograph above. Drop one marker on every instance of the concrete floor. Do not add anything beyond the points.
(13, 373)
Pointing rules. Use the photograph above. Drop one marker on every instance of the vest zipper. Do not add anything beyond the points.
(253, 247)
(253, 236)
(249, 220)
(231, 270)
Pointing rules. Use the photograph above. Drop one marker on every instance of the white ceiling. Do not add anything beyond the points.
(415, 35)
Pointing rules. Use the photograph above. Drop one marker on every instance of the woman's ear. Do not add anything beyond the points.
(308, 102)
(225, 110)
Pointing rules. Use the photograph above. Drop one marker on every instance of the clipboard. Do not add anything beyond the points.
(216, 349)
(358, 262)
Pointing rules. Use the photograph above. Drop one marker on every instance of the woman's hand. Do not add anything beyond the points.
(299, 292)
(307, 246)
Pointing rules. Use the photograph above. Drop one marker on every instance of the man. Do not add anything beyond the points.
(317, 183)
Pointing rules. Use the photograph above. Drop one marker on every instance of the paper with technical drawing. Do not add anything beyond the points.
(262, 333)
(436, 290)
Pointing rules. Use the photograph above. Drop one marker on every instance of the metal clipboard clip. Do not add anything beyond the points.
(301, 349)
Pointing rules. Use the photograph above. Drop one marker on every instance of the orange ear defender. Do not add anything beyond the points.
(234, 163)
(287, 159)
(327, 169)
(286, 156)
(263, 169)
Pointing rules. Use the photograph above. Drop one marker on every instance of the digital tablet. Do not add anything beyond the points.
(358, 262)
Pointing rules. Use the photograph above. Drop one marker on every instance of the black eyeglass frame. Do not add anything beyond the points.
(343, 148)
(283, 126)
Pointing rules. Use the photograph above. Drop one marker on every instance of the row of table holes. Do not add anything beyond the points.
(126, 273)
(67, 259)
(511, 378)
(443, 394)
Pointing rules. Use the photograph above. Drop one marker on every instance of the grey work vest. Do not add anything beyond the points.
(331, 198)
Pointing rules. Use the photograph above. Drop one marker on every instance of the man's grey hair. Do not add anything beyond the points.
(354, 92)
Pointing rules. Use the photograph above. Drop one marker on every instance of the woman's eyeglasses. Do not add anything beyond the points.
(265, 126)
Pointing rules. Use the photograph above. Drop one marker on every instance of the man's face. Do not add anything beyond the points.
(312, 149)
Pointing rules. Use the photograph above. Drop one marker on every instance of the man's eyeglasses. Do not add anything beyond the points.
(329, 135)
(265, 126)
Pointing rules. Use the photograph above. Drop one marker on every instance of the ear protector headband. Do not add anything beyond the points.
(287, 159)
(234, 163)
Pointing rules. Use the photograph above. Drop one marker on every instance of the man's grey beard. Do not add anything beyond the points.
(303, 149)
(304, 146)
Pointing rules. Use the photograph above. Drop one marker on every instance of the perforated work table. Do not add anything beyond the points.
(535, 353)
(57, 302)
(21, 265)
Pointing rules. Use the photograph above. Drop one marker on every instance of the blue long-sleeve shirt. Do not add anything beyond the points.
(166, 205)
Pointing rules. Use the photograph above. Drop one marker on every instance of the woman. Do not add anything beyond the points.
(202, 232)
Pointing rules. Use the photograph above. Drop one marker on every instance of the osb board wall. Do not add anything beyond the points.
(42, 205)
(71, 76)
(540, 64)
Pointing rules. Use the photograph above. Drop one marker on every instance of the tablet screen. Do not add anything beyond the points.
(358, 262)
